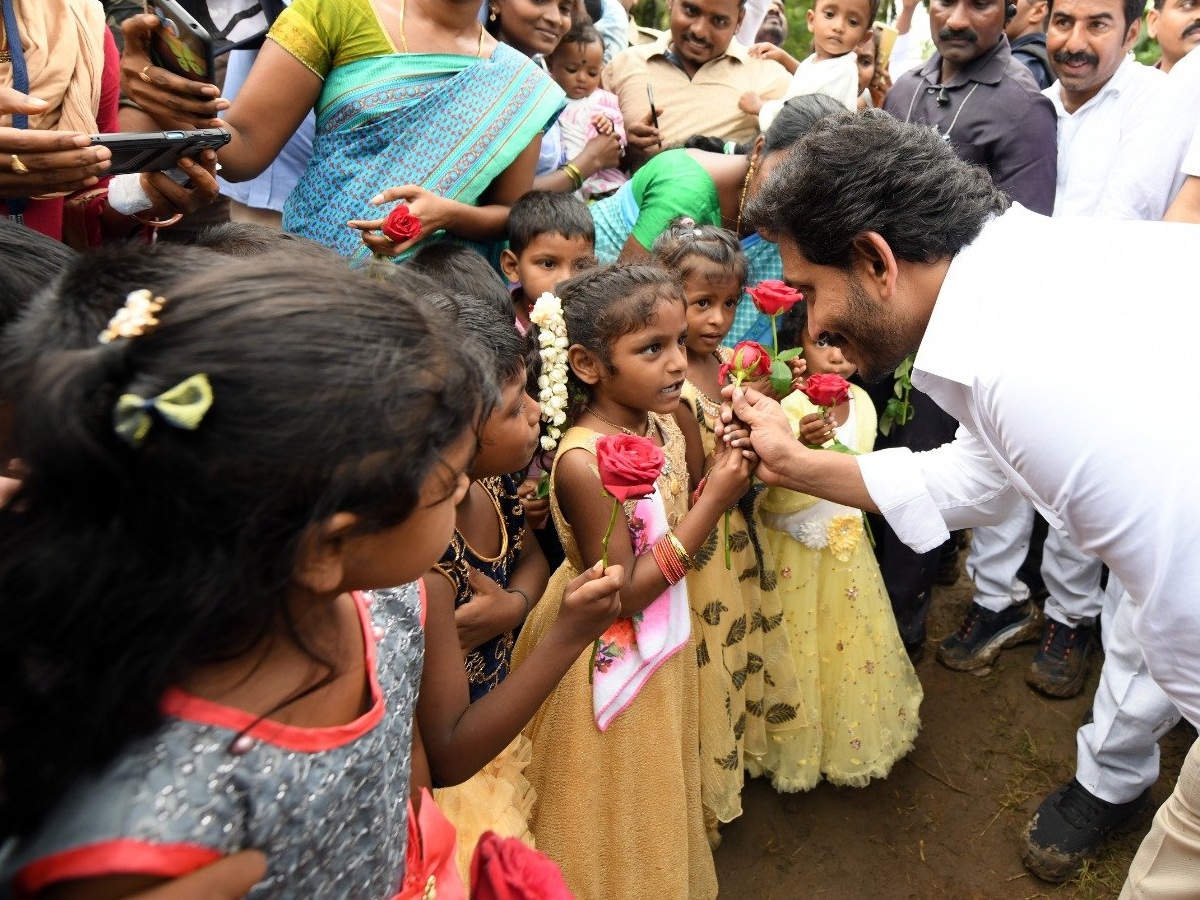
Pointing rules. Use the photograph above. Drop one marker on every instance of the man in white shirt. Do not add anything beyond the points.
(1106, 103)
(1031, 374)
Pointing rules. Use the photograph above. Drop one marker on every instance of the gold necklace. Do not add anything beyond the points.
(737, 229)
(404, 39)
(622, 428)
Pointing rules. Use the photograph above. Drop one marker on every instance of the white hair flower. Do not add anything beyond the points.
(552, 385)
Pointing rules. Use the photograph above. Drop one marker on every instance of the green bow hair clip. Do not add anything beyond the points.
(183, 406)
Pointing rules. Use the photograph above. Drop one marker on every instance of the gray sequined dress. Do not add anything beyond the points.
(328, 806)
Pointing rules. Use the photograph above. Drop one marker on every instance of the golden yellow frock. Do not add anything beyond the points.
(861, 691)
(619, 810)
(750, 696)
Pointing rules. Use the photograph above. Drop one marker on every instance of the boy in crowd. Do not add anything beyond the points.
(551, 237)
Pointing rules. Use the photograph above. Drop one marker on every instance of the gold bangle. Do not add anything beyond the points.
(684, 556)
(573, 173)
(159, 223)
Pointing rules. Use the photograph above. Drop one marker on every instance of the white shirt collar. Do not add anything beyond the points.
(1112, 88)
(976, 299)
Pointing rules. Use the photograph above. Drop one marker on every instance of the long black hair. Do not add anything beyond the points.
(125, 569)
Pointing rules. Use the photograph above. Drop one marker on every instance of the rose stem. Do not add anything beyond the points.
(774, 338)
(612, 520)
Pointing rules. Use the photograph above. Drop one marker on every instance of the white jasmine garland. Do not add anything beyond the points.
(552, 384)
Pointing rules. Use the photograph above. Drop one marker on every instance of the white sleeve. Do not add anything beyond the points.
(1191, 162)
(925, 495)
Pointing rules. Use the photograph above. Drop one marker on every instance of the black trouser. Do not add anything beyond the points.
(908, 576)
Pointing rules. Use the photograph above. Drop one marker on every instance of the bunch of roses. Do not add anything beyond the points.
(552, 384)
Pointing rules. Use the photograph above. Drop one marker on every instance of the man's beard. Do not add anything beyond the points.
(875, 334)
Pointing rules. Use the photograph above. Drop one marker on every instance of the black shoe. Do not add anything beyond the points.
(1060, 665)
(983, 634)
(1070, 826)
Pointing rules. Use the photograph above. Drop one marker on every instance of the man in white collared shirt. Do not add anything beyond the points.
(1106, 103)
(1031, 374)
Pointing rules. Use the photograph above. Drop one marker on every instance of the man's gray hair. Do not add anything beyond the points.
(859, 172)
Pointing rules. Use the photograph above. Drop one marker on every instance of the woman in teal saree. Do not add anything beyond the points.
(426, 109)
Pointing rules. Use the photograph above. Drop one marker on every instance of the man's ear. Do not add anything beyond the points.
(741, 16)
(508, 265)
(586, 366)
(875, 264)
(1038, 12)
(1152, 23)
(1131, 36)
(321, 562)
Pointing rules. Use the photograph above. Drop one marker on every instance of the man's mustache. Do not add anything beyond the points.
(958, 34)
(1191, 29)
(1066, 58)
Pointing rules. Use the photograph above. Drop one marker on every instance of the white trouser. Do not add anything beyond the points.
(1118, 750)
(1072, 577)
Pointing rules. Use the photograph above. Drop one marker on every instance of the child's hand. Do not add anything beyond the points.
(750, 103)
(816, 430)
(537, 510)
(799, 372)
(591, 602)
(766, 50)
(602, 123)
(729, 478)
(490, 611)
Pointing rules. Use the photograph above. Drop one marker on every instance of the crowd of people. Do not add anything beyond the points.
(531, 424)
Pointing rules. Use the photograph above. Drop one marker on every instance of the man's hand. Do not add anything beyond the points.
(770, 433)
(171, 100)
(643, 137)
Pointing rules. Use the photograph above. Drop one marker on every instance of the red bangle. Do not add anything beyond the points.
(699, 490)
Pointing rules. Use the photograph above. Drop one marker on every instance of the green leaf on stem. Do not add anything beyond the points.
(789, 355)
(781, 377)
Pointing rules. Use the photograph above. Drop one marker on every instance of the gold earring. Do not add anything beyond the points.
(492, 15)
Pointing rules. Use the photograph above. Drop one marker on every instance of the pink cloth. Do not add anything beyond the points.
(577, 129)
(633, 648)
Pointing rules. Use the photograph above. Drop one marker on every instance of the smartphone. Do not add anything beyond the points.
(181, 45)
(650, 97)
(154, 151)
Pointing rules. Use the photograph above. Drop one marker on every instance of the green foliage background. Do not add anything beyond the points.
(653, 14)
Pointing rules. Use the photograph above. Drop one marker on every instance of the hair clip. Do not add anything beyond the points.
(688, 222)
(183, 406)
(135, 318)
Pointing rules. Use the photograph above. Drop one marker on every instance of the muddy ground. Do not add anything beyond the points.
(947, 820)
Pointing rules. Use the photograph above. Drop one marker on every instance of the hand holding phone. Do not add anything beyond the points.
(181, 45)
(156, 151)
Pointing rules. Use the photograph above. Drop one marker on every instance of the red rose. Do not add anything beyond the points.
(774, 297)
(751, 360)
(724, 373)
(827, 389)
(401, 225)
(506, 869)
(629, 465)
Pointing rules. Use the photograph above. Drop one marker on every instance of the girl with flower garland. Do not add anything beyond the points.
(615, 764)
(749, 695)
(479, 593)
(860, 690)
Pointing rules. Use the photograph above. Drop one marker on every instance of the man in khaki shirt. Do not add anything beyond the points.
(698, 72)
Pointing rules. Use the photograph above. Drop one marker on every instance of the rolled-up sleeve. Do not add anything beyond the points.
(925, 495)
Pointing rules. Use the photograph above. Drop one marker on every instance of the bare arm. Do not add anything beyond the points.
(461, 737)
(1186, 205)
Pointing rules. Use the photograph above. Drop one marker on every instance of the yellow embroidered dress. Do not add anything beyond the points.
(861, 691)
(619, 810)
(749, 694)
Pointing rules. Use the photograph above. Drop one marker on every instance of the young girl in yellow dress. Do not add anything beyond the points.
(616, 767)
(749, 695)
(861, 692)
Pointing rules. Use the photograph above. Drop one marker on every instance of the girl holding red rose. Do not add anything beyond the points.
(749, 694)
(859, 685)
(620, 809)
